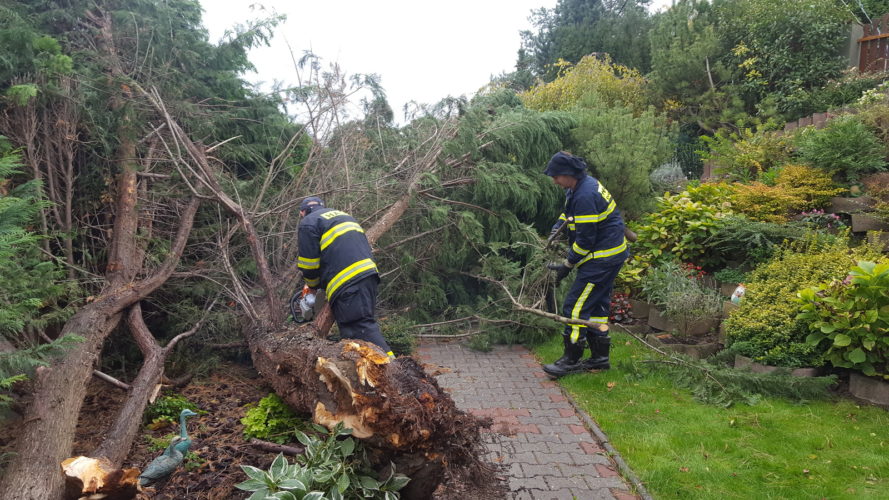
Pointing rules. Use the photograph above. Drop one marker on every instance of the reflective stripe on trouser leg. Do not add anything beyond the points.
(578, 309)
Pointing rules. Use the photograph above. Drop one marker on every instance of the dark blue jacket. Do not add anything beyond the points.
(333, 251)
(597, 230)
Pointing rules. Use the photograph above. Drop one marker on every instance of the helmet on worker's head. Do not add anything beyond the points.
(565, 164)
(310, 203)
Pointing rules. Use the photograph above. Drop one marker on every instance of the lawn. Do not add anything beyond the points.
(680, 448)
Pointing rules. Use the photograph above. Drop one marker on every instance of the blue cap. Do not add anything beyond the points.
(565, 164)
(310, 203)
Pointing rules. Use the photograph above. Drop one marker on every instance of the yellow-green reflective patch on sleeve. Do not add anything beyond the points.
(305, 263)
(313, 282)
(348, 273)
(578, 250)
(586, 219)
(601, 254)
(562, 216)
(338, 230)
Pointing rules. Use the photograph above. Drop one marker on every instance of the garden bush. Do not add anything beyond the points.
(681, 293)
(764, 203)
(742, 240)
(682, 224)
(845, 147)
(850, 318)
(765, 327)
(744, 156)
(813, 185)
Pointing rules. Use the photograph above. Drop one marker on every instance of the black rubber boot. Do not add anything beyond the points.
(599, 347)
(571, 363)
(566, 359)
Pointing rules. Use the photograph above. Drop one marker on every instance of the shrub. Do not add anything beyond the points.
(272, 420)
(764, 203)
(744, 156)
(742, 240)
(851, 318)
(845, 147)
(331, 468)
(813, 186)
(730, 275)
(681, 225)
(765, 327)
(680, 292)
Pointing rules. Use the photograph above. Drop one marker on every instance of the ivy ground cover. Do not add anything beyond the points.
(683, 449)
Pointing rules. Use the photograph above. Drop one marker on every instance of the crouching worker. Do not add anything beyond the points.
(334, 255)
(597, 250)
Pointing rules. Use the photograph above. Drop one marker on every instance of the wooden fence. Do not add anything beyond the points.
(874, 46)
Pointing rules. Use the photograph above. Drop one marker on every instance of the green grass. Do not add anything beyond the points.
(683, 449)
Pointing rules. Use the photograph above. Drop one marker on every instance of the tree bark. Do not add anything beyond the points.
(47, 432)
(392, 405)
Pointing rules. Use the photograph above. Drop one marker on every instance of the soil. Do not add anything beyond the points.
(217, 440)
(217, 434)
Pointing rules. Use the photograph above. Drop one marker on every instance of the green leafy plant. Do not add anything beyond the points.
(331, 468)
(681, 293)
(818, 219)
(851, 317)
(731, 275)
(765, 327)
(682, 224)
(845, 147)
(397, 332)
(740, 239)
(745, 155)
(272, 420)
(168, 408)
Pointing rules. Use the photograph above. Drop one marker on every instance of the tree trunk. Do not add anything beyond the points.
(47, 433)
(392, 405)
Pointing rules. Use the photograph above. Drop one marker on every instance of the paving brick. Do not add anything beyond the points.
(591, 448)
(623, 494)
(606, 471)
(537, 436)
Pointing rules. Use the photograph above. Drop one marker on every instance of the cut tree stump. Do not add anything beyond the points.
(393, 406)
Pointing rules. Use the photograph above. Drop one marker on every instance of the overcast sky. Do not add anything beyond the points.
(423, 51)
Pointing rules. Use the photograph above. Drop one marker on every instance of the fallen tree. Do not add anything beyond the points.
(394, 406)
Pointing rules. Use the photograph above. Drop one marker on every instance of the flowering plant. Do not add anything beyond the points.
(821, 220)
(620, 308)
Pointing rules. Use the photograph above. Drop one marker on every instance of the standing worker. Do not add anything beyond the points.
(334, 255)
(598, 250)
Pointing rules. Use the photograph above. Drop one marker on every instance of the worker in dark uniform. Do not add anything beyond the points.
(597, 250)
(334, 255)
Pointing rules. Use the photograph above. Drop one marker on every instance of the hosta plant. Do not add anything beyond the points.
(852, 318)
(330, 469)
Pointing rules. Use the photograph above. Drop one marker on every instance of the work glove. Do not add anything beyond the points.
(561, 269)
(307, 306)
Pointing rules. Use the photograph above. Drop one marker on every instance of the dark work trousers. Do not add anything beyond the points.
(354, 309)
(590, 298)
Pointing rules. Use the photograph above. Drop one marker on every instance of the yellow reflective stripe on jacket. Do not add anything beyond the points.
(306, 263)
(313, 282)
(601, 254)
(578, 250)
(599, 319)
(337, 231)
(575, 313)
(585, 219)
(348, 273)
(562, 216)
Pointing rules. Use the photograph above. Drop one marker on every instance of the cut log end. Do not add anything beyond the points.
(87, 477)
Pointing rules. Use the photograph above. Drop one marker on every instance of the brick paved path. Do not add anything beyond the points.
(538, 434)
